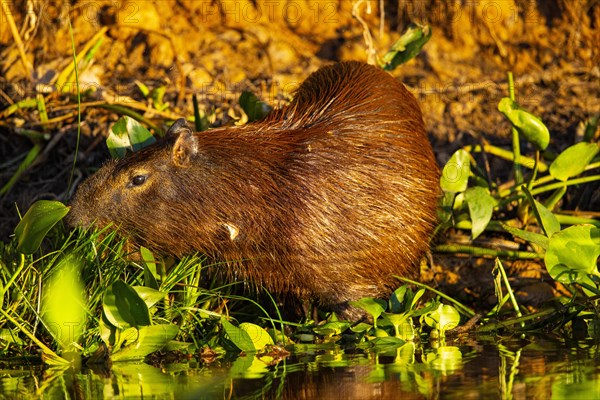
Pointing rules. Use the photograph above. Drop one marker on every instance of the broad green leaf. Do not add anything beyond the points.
(63, 305)
(238, 337)
(481, 207)
(455, 175)
(332, 328)
(380, 333)
(573, 160)
(531, 237)
(157, 96)
(444, 318)
(123, 307)
(407, 47)
(373, 306)
(37, 222)
(446, 205)
(574, 249)
(253, 107)
(546, 219)
(528, 124)
(260, 337)
(403, 300)
(149, 295)
(149, 268)
(398, 301)
(127, 134)
(402, 326)
(149, 339)
(360, 327)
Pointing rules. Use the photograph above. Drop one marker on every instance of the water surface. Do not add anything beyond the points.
(465, 368)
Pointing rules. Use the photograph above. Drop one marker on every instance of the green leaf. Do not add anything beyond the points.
(149, 339)
(150, 295)
(403, 326)
(360, 327)
(573, 160)
(455, 175)
(63, 304)
(481, 207)
(36, 223)
(143, 88)
(444, 318)
(123, 307)
(398, 303)
(531, 237)
(407, 47)
(238, 337)
(127, 134)
(403, 300)
(332, 328)
(573, 253)
(260, 337)
(528, 124)
(373, 306)
(546, 219)
(149, 268)
(253, 107)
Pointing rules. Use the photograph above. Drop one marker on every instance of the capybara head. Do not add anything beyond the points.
(326, 198)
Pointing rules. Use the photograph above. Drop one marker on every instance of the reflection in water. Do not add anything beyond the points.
(471, 369)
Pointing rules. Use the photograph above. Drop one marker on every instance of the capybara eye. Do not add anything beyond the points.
(138, 180)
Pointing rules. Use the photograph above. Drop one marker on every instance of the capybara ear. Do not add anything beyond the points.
(186, 144)
(178, 126)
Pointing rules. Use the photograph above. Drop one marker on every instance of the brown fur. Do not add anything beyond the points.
(326, 198)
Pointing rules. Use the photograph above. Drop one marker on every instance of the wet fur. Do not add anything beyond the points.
(326, 198)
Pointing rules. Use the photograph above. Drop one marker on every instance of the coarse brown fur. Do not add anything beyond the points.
(325, 199)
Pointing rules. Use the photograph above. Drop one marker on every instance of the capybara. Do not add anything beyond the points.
(324, 199)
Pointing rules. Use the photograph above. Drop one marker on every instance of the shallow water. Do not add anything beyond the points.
(532, 368)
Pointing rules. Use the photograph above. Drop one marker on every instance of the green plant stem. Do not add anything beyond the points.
(13, 277)
(130, 113)
(485, 252)
(55, 358)
(492, 326)
(557, 185)
(515, 193)
(574, 220)
(78, 107)
(461, 307)
(21, 105)
(549, 178)
(515, 136)
(31, 156)
(511, 294)
(506, 155)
